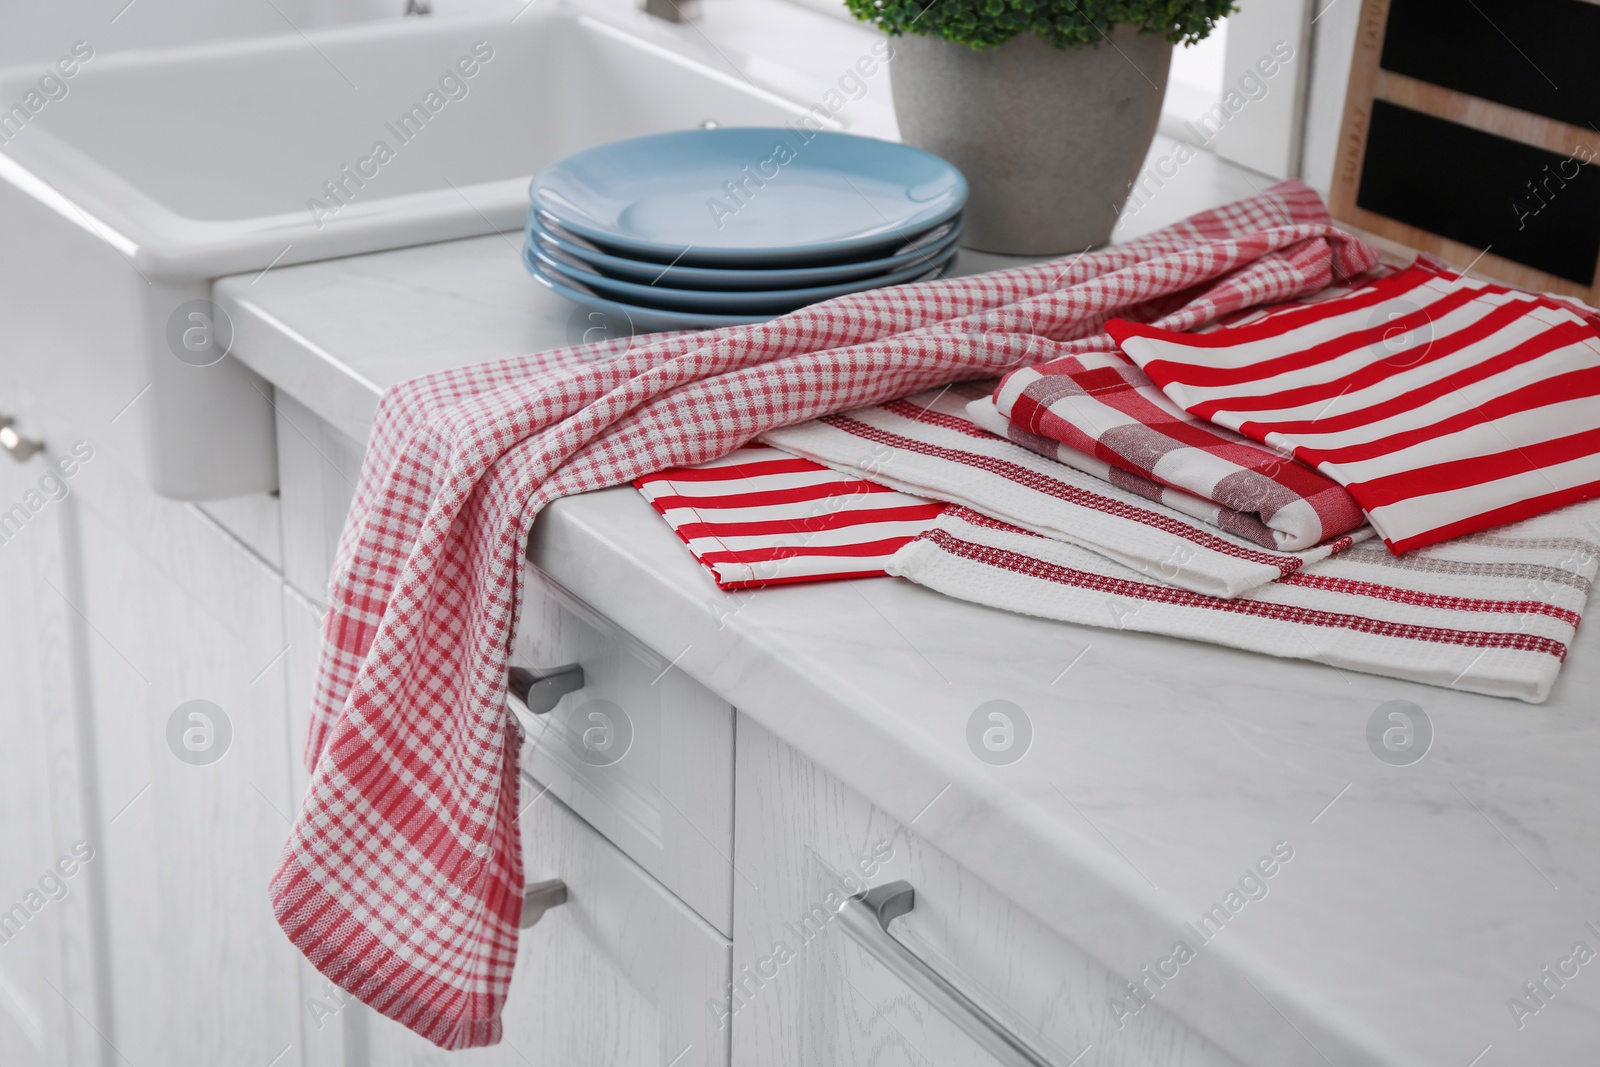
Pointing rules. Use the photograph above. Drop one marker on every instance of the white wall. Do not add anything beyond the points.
(1333, 42)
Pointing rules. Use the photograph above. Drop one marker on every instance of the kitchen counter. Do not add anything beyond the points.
(1418, 898)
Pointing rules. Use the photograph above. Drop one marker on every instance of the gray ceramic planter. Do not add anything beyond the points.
(1049, 139)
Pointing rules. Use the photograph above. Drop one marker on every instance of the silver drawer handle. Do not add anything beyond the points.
(866, 918)
(541, 689)
(539, 898)
(20, 447)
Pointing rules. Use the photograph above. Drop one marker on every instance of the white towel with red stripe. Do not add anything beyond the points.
(760, 516)
(929, 446)
(1445, 405)
(1489, 613)
(402, 877)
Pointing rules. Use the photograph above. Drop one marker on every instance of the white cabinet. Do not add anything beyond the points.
(184, 667)
(641, 752)
(618, 976)
(805, 992)
(50, 999)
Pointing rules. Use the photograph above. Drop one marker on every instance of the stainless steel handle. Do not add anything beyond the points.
(20, 447)
(541, 689)
(539, 898)
(866, 918)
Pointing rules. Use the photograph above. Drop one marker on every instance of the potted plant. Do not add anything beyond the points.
(1047, 106)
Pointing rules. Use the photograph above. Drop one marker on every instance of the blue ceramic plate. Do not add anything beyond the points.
(635, 317)
(562, 267)
(750, 196)
(928, 247)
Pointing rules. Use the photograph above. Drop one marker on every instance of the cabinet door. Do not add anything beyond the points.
(50, 1003)
(185, 673)
(621, 975)
(665, 794)
(806, 991)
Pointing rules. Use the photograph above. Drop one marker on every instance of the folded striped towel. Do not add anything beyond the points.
(928, 445)
(1445, 405)
(1103, 415)
(1490, 613)
(760, 516)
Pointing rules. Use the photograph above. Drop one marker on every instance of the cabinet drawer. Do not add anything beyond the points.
(827, 996)
(618, 974)
(641, 752)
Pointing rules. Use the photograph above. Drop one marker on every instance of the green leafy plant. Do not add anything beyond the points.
(1063, 23)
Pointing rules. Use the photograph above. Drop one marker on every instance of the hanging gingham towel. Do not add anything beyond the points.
(401, 880)
(1490, 613)
(929, 445)
(1443, 404)
(761, 516)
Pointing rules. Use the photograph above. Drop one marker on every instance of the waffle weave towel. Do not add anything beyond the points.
(1489, 613)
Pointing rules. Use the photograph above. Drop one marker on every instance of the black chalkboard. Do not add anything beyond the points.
(1541, 56)
(1472, 132)
(1528, 205)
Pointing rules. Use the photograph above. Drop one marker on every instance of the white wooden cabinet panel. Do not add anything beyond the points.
(50, 997)
(804, 992)
(176, 610)
(255, 520)
(317, 471)
(618, 976)
(667, 799)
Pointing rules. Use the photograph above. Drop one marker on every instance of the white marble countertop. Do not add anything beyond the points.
(1419, 898)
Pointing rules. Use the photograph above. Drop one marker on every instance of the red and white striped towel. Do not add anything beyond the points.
(1444, 405)
(401, 880)
(1490, 613)
(1102, 414)
(761, 516)
(929, 445)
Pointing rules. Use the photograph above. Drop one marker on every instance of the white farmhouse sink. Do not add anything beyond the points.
(159, 171)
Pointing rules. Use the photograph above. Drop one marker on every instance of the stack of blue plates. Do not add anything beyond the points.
(723, 227)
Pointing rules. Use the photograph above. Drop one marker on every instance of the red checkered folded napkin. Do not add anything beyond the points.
(1101, 414)
(761, 516)
(402, 879)
(1445, 405)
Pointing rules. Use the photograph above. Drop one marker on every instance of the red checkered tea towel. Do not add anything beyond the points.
(401, 880)
(1102, 414)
